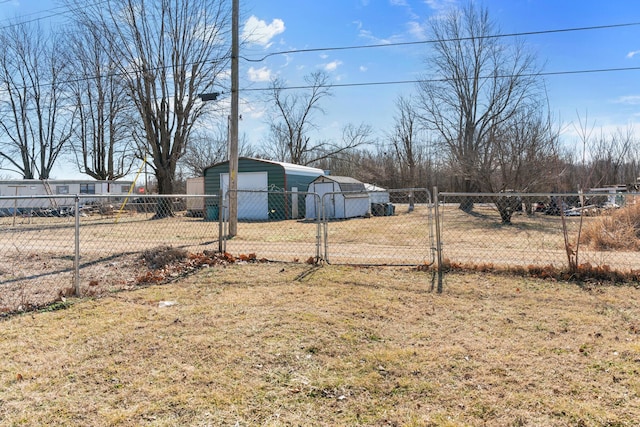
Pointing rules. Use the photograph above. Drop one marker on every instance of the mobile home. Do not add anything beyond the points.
(57, 193)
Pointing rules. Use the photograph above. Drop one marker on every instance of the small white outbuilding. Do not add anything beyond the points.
(338, 197)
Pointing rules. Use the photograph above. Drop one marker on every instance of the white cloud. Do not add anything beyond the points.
(417, 30)
(439, 4)
(257, 31)
(332, 66)
(398, 2)
(629, 100)
(368, 35)
(363, 68)
(259, 74)
(633, 53)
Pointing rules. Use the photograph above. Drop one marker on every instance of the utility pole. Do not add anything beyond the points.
(233, 128)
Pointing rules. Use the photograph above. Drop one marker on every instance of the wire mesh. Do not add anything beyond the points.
(42, 238)
(38, 237)
(274, 225)
(37, 250)
(541, 229)
(111, 226)
(391, 227)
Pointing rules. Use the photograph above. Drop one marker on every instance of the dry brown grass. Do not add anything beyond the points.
(619, 230)
(273, 344)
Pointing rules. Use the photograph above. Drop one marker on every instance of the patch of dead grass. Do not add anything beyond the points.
(619, 230)
(272, 344)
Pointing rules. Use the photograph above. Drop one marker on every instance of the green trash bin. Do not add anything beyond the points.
(213, 212)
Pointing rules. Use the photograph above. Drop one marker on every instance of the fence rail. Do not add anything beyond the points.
(93, 244)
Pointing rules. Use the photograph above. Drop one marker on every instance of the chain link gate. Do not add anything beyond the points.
(273, 225)
(393, 227)
(379, 228)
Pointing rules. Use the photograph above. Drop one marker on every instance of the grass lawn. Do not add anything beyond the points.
(290, 344)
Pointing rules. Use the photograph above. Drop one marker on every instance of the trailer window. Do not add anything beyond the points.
(62, 189)
(124, 189)
(87, 189)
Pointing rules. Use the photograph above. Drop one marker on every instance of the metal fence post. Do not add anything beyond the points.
(325, 225)
(316, 202)
(76, 259)
(438, 237)
(220, 226)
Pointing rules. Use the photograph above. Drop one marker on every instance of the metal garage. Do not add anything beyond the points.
(266, 189)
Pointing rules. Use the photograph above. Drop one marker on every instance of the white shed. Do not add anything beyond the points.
(377, 194)
(339, 196)
(195, 205)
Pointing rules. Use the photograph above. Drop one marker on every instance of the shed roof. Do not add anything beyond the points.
(289, 168)
(346, 183)
(371, 187)
(340, 179)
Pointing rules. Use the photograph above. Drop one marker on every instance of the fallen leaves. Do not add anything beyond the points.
(192, 262)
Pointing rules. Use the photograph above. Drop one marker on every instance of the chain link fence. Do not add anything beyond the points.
(90, 244)
(364, 228)
(541, 229)
(397, 229)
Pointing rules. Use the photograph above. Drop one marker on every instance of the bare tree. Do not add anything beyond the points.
(609, 154)
(102, 142)
(481, 84)
(405, 141)
(167, 52)
(293, 122)
(210, 146)
(35, 125)
(293, 118)
(526, 153)
(526, 159)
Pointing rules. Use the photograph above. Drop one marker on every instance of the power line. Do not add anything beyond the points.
(445, 79)
(492, 36)
(63, 10)
(355, 47)
(434, 80)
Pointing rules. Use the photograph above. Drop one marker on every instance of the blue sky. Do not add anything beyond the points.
(609, 100)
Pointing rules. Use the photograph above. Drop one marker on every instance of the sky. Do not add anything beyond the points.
(605, 100)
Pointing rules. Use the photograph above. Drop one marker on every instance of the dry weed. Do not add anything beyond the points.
(620, 230)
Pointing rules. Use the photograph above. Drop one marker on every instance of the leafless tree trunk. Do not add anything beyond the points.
(478, 85)
(167, 52)
(293, 118)
(103, 144)
(35, 126)
(405, 141)
(293, 121)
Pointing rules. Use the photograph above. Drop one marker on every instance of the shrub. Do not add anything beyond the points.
(618, 230)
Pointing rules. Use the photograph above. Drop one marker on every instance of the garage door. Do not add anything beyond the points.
(251, 205)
